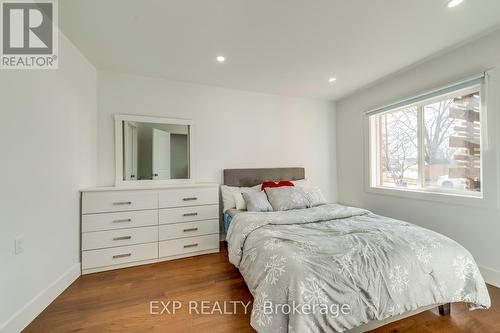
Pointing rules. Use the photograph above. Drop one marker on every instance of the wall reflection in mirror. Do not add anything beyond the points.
(154, 151)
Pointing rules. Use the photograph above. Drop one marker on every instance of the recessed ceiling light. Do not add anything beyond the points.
(454, 3)
(332, 79)
(220, 58)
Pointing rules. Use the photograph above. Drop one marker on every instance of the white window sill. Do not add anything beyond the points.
(456, 198)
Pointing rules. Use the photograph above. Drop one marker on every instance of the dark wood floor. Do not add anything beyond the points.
(119, 301)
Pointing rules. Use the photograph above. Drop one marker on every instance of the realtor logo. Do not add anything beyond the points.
(29, 34)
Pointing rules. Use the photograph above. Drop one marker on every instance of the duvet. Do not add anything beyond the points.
(332, 268)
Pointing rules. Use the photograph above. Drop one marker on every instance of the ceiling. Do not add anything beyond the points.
(286, 47)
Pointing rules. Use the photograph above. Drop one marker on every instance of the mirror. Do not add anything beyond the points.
(153, 151)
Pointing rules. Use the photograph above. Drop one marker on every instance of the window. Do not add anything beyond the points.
(433, 144)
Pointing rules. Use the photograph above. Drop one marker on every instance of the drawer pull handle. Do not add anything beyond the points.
(190, 199)
(122, 238)
(190, 229)
(122, 220)
(190, 214)
(120, 203)
(191, 245)
(122, 255)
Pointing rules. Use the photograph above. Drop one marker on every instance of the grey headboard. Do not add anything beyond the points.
(251, 177)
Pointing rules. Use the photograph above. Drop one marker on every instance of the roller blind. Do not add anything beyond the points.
(470, 81)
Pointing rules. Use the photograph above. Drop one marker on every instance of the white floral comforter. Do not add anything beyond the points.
(335, 255)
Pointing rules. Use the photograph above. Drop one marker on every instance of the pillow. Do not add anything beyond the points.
(286, 198)
(229, 194)
(256, 201)
(301, 183)
(255, 187)
(271, 184)
(239, 201)
(315, 197)
(238, 197)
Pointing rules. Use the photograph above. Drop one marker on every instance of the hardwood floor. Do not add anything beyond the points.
(119, 301)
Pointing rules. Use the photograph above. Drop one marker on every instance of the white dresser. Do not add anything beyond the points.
(124, 227)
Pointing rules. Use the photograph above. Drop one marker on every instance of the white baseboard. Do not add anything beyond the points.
(19, 320)
(490, 275)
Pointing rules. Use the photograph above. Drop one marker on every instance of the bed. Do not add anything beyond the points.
(305, 267)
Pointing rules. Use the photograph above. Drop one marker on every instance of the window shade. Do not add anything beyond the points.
(473, 80)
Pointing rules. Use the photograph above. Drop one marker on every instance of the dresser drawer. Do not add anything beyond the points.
(103, 202)
(185, 214)
(119, 237)
(188, 197)
(188, 229)
(188, 245)
(119, 255)
(109, 221)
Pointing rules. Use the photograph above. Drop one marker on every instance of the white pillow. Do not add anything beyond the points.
(255, 187)
(314, 195)
(229, 194)
(301, 183)
(240, 202)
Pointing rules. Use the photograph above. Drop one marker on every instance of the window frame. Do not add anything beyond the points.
(372, 164)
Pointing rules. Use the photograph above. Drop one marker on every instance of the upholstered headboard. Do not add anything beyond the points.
(251, 177)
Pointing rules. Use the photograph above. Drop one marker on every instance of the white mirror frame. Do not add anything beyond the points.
(119, 118)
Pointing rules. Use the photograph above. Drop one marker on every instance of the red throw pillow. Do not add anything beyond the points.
(281, 183)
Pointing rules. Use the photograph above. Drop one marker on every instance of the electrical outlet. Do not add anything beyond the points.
(19, 245)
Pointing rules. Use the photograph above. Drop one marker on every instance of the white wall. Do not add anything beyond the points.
(233, 129)
(477, 228)
(48, 152)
